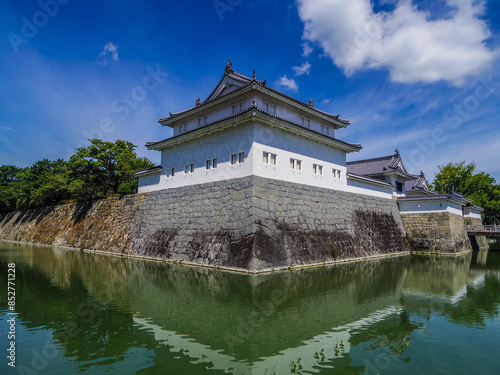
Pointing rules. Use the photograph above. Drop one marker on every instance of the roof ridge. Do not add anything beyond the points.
(372, 159)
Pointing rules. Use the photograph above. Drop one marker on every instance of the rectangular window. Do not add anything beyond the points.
(208, 164)
(273, 159)
(268, 158)
(318, 169)
(241, 157)
(238, 107)
(214, 163)
(399, 187)
(202, 121)
(336, 173)
(305, 122)
(183, 128)
(271, 108)
(170, 172)
(296, 164)
(186, 169)
(234, 158)
(192, 168)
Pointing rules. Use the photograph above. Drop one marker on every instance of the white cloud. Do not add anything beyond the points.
(304, 69)
(325, 101)
(111, 48)
(6, 128)
(289, 83)
(407, 41)
(307, 49)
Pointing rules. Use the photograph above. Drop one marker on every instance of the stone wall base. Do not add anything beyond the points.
(441, 232)
(250, 224)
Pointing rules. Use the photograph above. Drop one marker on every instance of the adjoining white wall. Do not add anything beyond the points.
(430, 206)
(368, 186)
(149, 180)
(472, 213)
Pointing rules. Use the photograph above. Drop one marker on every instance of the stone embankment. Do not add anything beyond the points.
(249, 224)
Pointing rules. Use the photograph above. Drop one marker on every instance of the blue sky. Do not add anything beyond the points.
(420, 76)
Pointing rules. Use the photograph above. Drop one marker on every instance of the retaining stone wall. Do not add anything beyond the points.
(441, 232)
(478, 242)
(249, 223)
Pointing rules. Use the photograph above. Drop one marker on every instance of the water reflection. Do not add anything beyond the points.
(113, 313)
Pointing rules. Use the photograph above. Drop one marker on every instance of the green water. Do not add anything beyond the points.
(82, 313)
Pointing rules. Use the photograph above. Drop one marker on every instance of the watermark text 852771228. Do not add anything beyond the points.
(11, 301)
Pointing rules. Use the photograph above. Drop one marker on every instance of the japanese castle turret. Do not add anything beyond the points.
(246, 128)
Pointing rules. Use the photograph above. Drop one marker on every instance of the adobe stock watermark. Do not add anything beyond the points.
(41, 358)
(123, 106)
(452, 120)
(32, 25)
(223, 6)
(372, 29)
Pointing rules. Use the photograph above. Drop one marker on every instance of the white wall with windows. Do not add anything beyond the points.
(272, 105)
(255, 149)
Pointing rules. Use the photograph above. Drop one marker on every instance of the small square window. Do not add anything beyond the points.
(296, 164)
(202, 121)
(241, 157)
(170, 172)
(318, 169)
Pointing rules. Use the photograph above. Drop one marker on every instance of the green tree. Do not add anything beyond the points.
(43, 184)
(478, 186)
(8, 176)
(101, 168)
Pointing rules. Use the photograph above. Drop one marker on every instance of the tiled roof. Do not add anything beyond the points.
(431, 197)
(417, 184)
(378, 166)
(155, 169)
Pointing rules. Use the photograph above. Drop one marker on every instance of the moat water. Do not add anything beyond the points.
(83, 313)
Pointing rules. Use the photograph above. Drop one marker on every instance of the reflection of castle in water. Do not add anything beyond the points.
(278, 322)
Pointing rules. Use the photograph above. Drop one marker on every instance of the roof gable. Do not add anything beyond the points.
(378, 166)
(230, 81)
(233, 83)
